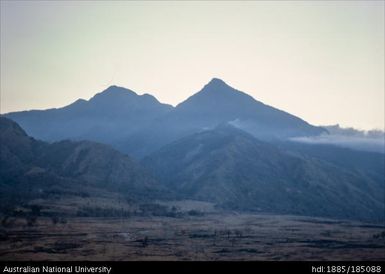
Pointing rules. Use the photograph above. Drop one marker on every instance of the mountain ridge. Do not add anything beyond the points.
(223, 165)
(214, 104)
(92, 119)
(235, 170)
(39, 166)
(129, 122)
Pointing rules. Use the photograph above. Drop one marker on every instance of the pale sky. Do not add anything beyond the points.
(321, 61)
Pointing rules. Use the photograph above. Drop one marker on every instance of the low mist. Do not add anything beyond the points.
(372, 140)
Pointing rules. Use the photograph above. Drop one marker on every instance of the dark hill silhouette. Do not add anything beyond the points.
(233, 169)
(30, 169)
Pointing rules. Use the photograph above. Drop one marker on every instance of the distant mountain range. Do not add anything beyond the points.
(220, 146)
(139, 125)
(109, 116)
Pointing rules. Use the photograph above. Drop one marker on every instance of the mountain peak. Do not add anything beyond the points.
(216, 81)
(217, 87)
(117, 89)
(216, 84)
(217, 92)
(8, 126)
(113, 92)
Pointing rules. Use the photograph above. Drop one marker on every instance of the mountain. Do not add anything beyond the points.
(235, 170)
(218, 103)
(112, 114)
(31, 169)
(139, 125)
(17, 150)
(369, 165)
(223, 165)
(215, 104)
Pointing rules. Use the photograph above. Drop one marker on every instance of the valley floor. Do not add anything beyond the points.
(218, 236)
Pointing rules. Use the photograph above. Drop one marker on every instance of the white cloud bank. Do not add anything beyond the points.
(373, 140)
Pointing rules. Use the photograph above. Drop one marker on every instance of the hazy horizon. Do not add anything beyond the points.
(321, 61)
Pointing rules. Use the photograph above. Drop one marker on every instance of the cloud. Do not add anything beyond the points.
(373, 140)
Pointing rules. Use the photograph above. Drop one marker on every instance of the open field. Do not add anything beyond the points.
(216, 236)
